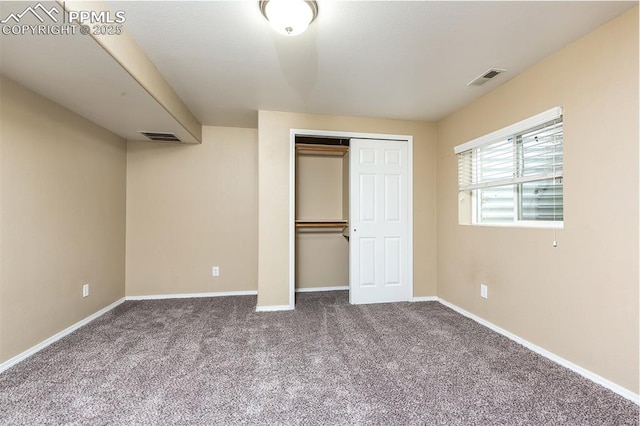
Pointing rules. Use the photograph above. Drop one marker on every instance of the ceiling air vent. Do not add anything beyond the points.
(161, 136)
(486, 76)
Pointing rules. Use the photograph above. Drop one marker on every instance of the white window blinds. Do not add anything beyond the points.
(515, 174)
(528, 151)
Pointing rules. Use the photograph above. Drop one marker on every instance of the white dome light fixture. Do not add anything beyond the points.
(289, 17)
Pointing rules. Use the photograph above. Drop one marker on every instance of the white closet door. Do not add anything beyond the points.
(378, 237)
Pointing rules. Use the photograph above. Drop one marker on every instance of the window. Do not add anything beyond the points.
(514, 176)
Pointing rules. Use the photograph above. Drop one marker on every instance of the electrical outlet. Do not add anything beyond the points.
(483, 291)
(85, 290)
(215, 271)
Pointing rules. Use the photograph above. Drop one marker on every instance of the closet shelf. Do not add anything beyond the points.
(322, 148)
(321, 223)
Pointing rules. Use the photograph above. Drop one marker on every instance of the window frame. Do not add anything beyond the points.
(514, 133)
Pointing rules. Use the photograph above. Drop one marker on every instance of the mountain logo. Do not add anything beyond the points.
(39, 11)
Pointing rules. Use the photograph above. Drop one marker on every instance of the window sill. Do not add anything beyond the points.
(521, 224)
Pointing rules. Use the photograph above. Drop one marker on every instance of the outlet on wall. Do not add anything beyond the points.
(85, 290)
(483, 291)
(215, 271)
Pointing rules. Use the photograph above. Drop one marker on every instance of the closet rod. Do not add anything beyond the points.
(322, 148)
(320, 224)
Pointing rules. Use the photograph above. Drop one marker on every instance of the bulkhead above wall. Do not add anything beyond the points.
(103, 76)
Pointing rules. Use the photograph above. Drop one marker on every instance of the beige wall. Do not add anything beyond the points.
(322, 255)
(322, 259)
(189, 208)
(319, 186)
(273, 172)
(62, 218)
(579, 300)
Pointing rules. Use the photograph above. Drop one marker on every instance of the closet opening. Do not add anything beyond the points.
(321, 213)
(351, 215)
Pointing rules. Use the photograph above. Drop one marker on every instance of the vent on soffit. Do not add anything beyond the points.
(160, 136)
(486, 76)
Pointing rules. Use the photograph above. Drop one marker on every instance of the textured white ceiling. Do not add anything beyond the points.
(405, 60)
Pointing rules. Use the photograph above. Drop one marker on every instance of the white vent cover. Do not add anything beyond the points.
(486, 76)
(160, 136)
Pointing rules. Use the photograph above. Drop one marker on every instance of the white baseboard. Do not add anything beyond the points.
(193, 295)
(424, 299)
(40, 346)
(312, 289)
(549, 355)
(274, 308)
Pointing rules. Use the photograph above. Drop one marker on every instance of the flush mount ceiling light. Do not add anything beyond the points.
(289, 17)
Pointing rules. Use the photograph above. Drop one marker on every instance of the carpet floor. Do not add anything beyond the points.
(217, 361)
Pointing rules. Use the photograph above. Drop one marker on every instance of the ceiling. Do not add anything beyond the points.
(392, 59)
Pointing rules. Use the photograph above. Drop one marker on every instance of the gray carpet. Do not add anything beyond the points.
(216, 361)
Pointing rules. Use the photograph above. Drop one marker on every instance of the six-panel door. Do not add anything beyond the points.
(378, 222)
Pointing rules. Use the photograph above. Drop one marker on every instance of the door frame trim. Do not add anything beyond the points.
(292, 195)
